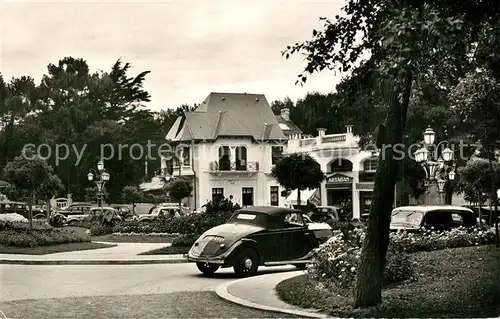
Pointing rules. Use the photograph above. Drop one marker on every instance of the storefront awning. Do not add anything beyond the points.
(365, 186)
(312, 195)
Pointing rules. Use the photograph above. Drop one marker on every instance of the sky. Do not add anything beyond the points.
(191, 47)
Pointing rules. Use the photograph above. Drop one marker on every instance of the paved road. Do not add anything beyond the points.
(20, 282)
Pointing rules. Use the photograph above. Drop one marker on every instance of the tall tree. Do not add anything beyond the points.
(298, 171)
(407, 42)
(178, 189)
(28, 175)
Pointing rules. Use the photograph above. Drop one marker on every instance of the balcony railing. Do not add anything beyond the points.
(241, 166)
(333, 139)
(308, 142)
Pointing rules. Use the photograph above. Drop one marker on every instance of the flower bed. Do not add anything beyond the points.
(191, 224)
(20, 235)
(336, 261)
(13, 217)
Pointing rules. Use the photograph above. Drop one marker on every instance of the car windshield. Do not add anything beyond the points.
(407, 217)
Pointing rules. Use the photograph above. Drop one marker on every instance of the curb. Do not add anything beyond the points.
(222, 292)
(92, 262)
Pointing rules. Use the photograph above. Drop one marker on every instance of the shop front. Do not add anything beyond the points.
(339, 191)
(365, 190)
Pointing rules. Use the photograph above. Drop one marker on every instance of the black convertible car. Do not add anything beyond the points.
(256, 236)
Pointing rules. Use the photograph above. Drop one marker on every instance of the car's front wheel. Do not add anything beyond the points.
(207, 269)
(247, 264)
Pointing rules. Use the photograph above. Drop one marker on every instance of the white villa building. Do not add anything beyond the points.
(228, 146)
(350, 171)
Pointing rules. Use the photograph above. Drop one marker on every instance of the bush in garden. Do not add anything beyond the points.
(398, 265)
(39, 237)
(185, 240)
(57, 220)
(13, 217)
(336, 261)
(190, 224)
(99, 229)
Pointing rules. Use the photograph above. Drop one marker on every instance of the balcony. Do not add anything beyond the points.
(334, 138)
(234, 167)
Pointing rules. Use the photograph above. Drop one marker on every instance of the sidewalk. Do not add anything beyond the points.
(123, 253)
(259, 292)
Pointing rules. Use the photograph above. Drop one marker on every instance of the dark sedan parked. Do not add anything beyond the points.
(255, 236)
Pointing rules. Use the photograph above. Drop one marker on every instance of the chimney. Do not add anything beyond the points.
(349, 129)
(321, 132)
(285, 114)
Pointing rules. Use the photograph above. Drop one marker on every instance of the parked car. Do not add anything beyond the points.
(488, 214)
(93, 212)
(157, 211)
(124, 211)
(325, 214)
(255, 236)
(444, 217)
(21, 208)
(75, 209)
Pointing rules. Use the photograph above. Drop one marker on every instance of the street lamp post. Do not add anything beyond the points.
(99, 177)
(438, 169)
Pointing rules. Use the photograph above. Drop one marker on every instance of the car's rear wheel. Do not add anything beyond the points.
(207, 269)
(247, 264)
(72, 222)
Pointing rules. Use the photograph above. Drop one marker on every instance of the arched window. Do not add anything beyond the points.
(224, 158)
(241, 158)
(340, 165)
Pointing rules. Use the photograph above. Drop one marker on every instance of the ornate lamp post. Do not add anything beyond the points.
(438, 170)
(100, 177)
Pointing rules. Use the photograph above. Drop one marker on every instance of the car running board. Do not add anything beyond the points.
(290, 262)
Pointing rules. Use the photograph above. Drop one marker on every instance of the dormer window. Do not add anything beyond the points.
(284, 127)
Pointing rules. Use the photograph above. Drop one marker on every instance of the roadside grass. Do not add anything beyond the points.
(51, 249)
(172, 305)
(169, 250)
(459, 282)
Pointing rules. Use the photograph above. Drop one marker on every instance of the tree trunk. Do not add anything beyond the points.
(30, 212)
(479, 210)
(496, 223)
(48, 211)
(299, 200)
(133, 209)
(376, 242)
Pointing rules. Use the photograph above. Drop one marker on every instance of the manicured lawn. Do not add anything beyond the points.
(134, 239)
(50, 249)
(461, 282)
(170, 250)
(172, 305)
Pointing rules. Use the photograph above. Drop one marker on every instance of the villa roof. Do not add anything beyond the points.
(288, 127)
(228, 115)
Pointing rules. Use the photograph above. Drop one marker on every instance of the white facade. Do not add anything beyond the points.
(211, 178)
(349, 169)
